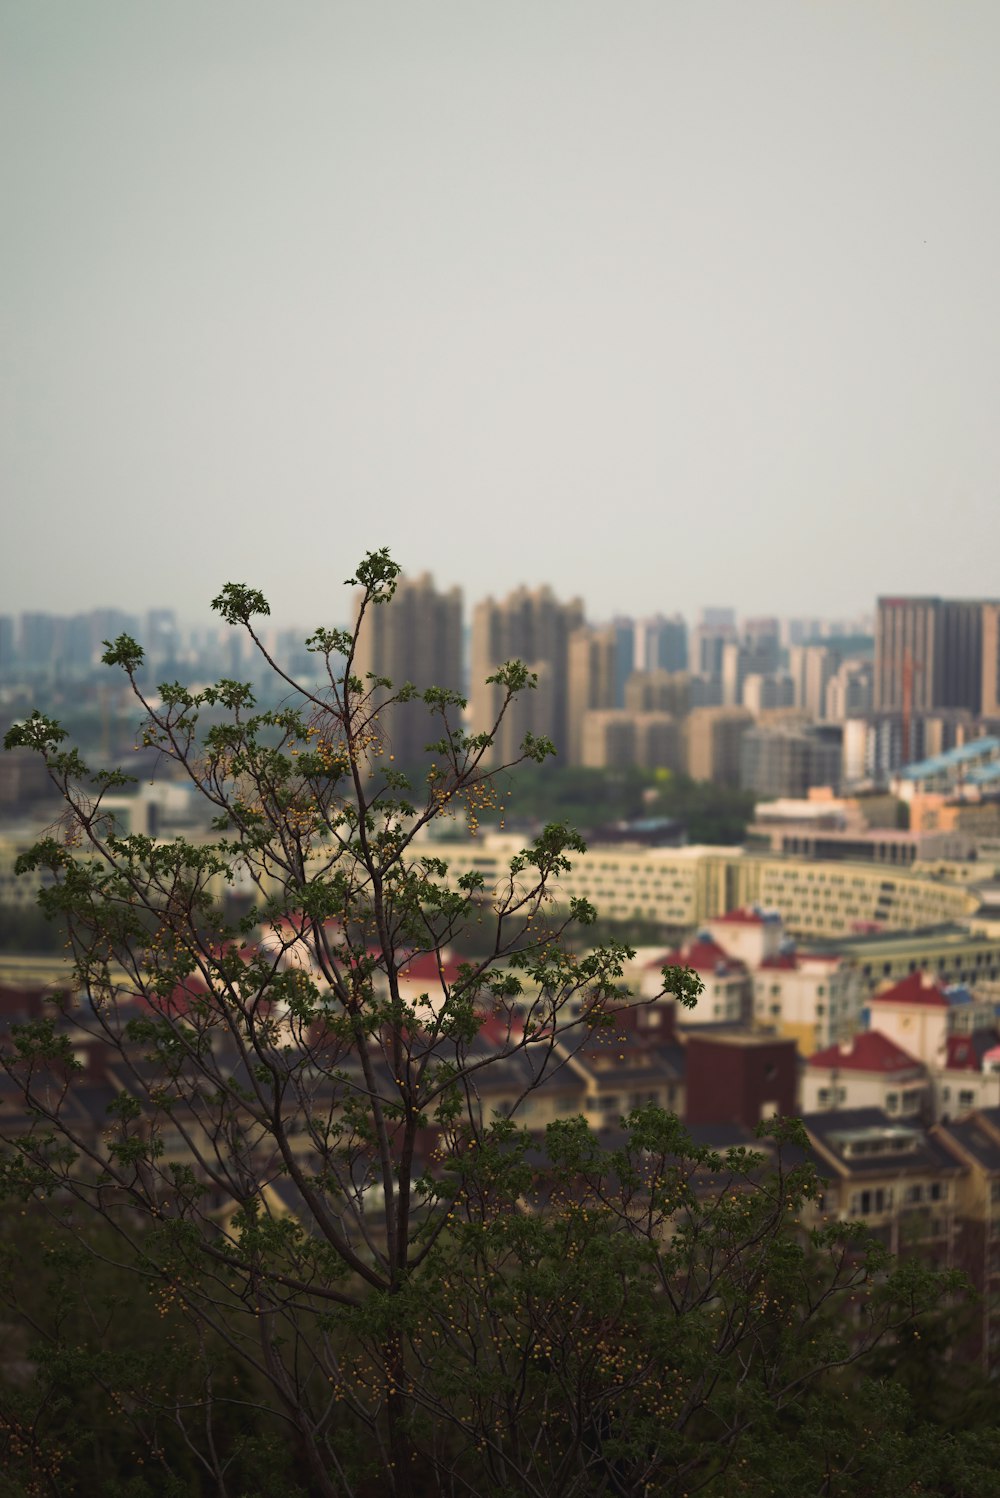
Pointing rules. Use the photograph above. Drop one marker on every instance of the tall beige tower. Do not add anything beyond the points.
(991, 660)
(532, 626)
(713, 736)
(593, 658)
(416, 637)
(658, 692)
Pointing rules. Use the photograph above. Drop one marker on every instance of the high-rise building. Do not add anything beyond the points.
(849, 691)
(40, 636)
(661, 644)
(762, 642)
(593, 664)
(613, 739)
(929, 653)
(161, 635)
(658, 692)
(788, 759)
(709, 639)
(416, 637)
(811, 667)
(762, 694)
(8, 652)
(607, 739)
(990, 705)
(733, 670)
(534, 627)
(712, 738)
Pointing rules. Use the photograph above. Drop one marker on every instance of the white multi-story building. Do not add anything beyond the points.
(868, 1071)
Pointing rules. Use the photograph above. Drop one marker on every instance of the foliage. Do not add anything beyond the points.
(284, 1130)
(101, 1372)
(590, 798)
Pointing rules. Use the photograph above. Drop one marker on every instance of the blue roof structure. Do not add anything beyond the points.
(983, 774)
(986, 749)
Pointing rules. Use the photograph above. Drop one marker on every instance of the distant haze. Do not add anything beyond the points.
(662, 303)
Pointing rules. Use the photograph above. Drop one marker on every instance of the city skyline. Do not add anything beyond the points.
(670, 305)
(157, 617)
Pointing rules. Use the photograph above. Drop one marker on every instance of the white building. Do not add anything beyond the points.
(869, 1071)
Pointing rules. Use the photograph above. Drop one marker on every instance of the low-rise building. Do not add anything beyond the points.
(970, 1074)
(893, 1176)
(974, 1141)
(810, 997)
(868, 1071)
(738, 1077)
(725, 998)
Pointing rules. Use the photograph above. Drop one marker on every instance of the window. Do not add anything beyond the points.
(938, 1191)
(914, 1194)
(966, 1098)
(891, 1102)
(877, 1200)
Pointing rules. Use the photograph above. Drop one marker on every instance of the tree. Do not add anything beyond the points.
(291, 1146)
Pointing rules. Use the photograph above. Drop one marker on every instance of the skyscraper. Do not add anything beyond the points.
(990, 706)
(416, 637)
(534, 627)
(661, 644)
(593, 664)
(929, 653)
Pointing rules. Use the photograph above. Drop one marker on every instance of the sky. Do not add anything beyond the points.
(666, 304)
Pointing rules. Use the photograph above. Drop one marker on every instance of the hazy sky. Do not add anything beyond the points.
(666, 303)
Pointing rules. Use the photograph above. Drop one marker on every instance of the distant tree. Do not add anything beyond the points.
(296, 1155)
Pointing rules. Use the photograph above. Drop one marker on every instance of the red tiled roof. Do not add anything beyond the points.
(869, 1051)
(428, 967)
(969, 1052)
(704, 955)
(177, 1002)
(918, 988)
(792, 960)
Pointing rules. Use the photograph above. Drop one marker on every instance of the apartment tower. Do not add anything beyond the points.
(532, 626)
(416, 637)
(929, 653)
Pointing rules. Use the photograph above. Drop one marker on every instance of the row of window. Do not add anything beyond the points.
(878, 1199)
(908, 1102)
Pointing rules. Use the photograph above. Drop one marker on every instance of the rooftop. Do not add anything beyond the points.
(885, 943)
(915, 988)
(703, 955)
(951, 759)
(869, 1051)
(754, 916)
(967, 1052)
